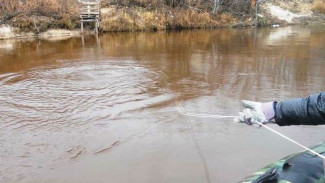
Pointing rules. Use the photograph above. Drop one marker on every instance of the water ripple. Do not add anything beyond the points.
(74, 94)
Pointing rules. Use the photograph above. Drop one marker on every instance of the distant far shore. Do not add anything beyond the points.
(60, 19)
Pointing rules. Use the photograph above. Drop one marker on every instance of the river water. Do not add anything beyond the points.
(103, 110)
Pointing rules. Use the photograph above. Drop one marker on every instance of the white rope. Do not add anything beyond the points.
(289, 139)
(183, 112)
(196, 142)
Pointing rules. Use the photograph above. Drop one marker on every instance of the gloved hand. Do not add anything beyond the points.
(256, 112)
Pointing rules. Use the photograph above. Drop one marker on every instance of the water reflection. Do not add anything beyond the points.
(64, 101)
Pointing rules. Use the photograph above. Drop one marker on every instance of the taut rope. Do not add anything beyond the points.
(183, 112)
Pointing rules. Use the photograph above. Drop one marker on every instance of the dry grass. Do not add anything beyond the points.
(226, 19)
(319, 6)
(127, 15)
(139, 19)
(186, 18)
(44, 13)
(119, 21)
(45, 7)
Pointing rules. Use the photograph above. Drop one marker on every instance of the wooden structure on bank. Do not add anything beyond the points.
(89, 11)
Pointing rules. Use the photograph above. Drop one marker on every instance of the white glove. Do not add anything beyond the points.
(254, 113)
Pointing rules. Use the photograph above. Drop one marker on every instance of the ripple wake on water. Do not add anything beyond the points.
(75, 95)
(69, 100)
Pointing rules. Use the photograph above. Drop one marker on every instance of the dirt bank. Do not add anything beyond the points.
(292, 12)
(8, 32)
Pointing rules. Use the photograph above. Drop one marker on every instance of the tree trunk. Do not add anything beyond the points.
(256, 13)
(215, 6)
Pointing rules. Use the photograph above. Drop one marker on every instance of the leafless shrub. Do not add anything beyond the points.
(319, 6)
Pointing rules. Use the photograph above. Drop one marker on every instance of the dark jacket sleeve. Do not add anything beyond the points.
(302, 111)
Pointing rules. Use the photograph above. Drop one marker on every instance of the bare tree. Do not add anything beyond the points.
(215, 5)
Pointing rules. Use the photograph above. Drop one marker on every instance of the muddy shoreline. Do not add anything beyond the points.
(62, 34)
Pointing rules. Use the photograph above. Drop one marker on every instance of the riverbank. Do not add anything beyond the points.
(300, 12)
(117, 19)
(56, 19)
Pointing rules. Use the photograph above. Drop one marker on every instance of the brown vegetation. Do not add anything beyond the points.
(135, 19)
(39, 15)
(134, 15)
(161, 14)
(319, 6)
(126, 15)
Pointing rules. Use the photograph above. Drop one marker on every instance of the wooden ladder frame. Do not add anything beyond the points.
(89, 11)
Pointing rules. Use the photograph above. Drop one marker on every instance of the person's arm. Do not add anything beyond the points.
(302, 111)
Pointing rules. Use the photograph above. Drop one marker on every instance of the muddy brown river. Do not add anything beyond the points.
(103, 110)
